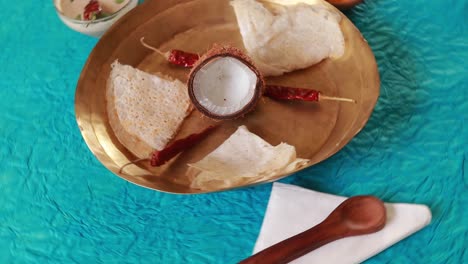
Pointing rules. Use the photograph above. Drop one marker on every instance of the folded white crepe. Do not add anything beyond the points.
(242, 158)
(145, 110)
(292, 210)
(289, 37)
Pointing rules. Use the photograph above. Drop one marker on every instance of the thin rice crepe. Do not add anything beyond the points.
(145, 110)
(244, 157)
(289, 37)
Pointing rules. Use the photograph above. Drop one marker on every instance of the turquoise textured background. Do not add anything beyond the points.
(58, 204)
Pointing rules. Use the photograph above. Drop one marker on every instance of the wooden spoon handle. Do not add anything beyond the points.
(298, 245)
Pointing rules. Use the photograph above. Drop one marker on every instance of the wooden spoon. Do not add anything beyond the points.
(344, 4)
(357, 215)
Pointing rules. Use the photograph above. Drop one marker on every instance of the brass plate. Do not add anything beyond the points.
(317, 130)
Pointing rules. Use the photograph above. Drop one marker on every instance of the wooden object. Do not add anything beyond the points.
(357, 215)
(317, 130)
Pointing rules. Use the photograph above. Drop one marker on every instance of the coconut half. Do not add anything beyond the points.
(224, 84)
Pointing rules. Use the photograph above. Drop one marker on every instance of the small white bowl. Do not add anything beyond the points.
(97, 27)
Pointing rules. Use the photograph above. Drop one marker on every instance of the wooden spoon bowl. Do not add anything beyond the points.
(360, 215)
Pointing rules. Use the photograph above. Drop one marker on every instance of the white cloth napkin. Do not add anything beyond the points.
(292, 210)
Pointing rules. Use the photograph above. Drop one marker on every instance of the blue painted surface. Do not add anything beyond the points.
(58, 204)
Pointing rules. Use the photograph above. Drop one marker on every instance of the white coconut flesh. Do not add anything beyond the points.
(224, 86)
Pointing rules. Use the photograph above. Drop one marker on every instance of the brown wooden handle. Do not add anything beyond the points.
(298, 245)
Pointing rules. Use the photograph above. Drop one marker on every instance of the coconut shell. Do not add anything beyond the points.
(226, 51)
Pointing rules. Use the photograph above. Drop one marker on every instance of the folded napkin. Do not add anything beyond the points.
(292, 210)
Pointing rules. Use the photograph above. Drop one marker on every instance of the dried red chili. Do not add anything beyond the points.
(92, 10)
(301, 94)
(182, 58)
(288, 93)
(160, 157)
(176, 57)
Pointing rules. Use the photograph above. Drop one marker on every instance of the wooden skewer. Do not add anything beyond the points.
(165, 55)
(333, 98)
(186, 59)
